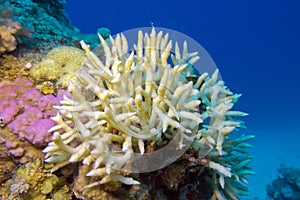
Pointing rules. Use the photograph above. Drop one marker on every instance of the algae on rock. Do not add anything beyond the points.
(35, 182)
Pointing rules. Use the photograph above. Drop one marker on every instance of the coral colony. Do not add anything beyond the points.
(286, 185)
(60, 65)
(136, 103)
(10, 31)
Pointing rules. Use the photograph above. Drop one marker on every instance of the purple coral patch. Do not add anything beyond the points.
(37, 133)
(6, 102)
(30, 97)
(8, 114)
(28, 117)
(26, 112)
(46, 103)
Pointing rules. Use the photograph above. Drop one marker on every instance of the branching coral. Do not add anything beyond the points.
(225, 174)
(227, 157)
(123, 105)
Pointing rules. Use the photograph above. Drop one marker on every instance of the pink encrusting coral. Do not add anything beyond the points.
(37, 133)
(27, 112)
(46, 103)
(30, 97)
(28, 117)
(9, 113)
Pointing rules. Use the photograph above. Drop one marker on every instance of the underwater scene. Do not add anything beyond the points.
(149, 100)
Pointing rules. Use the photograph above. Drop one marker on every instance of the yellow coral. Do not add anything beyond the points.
(8, 41)
(33, 181)
(61, 64)
(10, 30)
(12, 67)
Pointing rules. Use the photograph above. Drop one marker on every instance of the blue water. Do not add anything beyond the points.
(256, 46)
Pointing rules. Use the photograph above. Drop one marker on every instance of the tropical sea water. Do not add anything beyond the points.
(255, 45)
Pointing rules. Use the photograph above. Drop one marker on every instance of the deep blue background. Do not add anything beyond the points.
(254, 43)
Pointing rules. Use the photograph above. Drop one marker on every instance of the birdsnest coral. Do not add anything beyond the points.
(123, 105)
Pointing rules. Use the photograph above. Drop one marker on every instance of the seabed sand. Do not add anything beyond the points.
(272, 148)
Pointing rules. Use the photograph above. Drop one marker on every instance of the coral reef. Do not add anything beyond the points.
(93, 40)
(59, 66)
(34, 181)
(18, 149)
(11, 31)
(124, 107)
(95, 193)
(12, 67)
(26, 112)
(7, 165)
(132, 104)
(104, 32)
(114, 190)
(35, 133)
(212, 169)
(286, 186)
(48, 20)
(21, 107)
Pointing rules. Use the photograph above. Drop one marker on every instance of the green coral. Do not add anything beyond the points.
(60, 65)
(236, 158)
(35, 182)
(104, 32)
(50, 24)
(48, 20)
